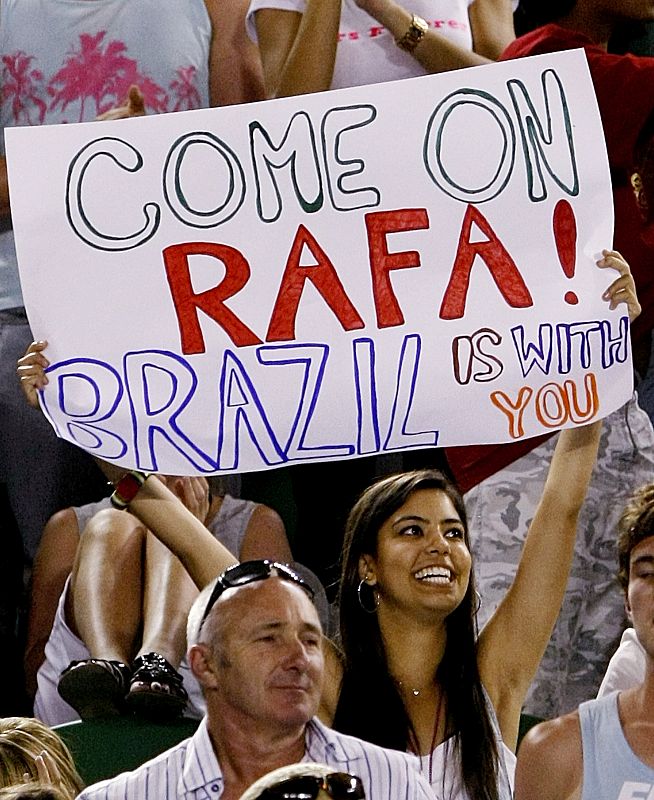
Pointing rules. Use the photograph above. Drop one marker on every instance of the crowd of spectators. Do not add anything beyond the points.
(377, 676)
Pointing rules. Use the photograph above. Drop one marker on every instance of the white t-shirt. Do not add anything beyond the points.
(366, 51)
(626, 667)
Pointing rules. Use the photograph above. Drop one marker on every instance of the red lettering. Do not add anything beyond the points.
(323, 276)
(379, 224)
(502, 267)
(211, 301)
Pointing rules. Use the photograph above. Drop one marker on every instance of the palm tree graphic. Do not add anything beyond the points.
(101, 73)
(23, 88)
(184, 89)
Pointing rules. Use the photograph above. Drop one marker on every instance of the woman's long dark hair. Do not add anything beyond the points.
(370, 705)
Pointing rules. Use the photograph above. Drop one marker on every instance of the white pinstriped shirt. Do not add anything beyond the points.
(190, 770)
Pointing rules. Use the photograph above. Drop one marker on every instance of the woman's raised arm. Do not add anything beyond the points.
(512, 644)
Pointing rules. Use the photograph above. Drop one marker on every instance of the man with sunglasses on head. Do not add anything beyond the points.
(256, 649)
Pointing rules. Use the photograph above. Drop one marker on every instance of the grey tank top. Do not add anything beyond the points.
(612, 771)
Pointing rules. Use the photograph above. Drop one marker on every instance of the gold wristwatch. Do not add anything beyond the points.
(414, 35)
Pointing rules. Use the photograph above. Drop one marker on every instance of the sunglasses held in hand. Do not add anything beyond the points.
(337, 786)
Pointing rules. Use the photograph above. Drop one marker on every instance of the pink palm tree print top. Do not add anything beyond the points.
(95, 77)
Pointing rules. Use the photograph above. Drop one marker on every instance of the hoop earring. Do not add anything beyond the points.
(478, 601)
(366, 608)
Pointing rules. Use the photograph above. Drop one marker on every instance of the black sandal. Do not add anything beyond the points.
(95, 687)
(156, 689)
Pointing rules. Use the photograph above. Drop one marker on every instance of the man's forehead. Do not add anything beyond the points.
(267, 600)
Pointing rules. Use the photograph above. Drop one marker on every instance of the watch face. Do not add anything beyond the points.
(412, 37)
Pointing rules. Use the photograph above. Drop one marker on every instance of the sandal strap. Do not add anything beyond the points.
(154, 667)
(121, 672)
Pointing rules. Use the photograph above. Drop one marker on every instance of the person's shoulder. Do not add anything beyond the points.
(564, 730)
(551, 755)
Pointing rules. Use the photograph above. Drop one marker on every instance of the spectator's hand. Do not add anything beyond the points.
(623, 289)
(134, 106)
(193, 492)
(47, 770)
(31, 372)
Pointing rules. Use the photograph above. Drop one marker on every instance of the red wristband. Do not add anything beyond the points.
(127, 488)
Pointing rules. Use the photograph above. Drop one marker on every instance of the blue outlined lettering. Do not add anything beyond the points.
(533, 354)
(398, 436)
(88, 391)
(365, 386)
(615, 347)
(160, 385)
(313, 359)
(240, 404)
(576, 343)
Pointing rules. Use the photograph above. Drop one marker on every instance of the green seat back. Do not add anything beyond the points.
(103, 748)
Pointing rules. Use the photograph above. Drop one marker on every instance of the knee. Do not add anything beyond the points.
(112, 527)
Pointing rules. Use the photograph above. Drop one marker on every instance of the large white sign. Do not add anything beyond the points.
(393, 266)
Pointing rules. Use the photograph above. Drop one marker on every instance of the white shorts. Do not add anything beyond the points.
(62, 648)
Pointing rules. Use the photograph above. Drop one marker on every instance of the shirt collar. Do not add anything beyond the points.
(324, 745)
(201, 767)
(202, 770)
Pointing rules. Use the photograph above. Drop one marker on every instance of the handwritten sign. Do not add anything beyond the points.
(387, 267)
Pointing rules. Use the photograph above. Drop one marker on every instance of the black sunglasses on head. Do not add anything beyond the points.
(338, 785)
(249, 572)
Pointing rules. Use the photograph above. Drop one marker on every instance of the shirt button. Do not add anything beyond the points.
(215, 787)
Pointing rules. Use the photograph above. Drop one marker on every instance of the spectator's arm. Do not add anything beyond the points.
(512, 644)
(435, 52)
(173, 524)
(298, 50)
(491, 22)
(235, 74)
(5, 211)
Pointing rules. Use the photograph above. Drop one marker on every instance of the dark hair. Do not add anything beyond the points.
(636, 524)
(370, 705)
(532, 14)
